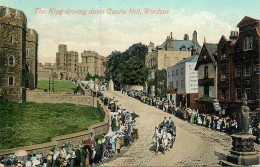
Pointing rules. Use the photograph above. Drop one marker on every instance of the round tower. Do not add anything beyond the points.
(12, 52)
(31, 58)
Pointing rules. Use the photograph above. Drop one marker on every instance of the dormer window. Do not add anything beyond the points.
(248, 43)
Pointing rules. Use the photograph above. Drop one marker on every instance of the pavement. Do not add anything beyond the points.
(194, 145)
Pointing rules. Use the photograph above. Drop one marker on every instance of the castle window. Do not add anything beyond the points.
(75, 69)
(12, 39)
(11, 60)
(27, 52)
(206, 90)
(84, 69)
(248, 43)
(11, 80)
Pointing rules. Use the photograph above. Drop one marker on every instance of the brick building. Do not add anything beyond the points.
(242, 73)
(18, 55)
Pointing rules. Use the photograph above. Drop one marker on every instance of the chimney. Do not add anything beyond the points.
(186, 37)
(233, 35)
(194, 37)
(171, 35)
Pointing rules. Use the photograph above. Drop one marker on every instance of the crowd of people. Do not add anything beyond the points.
(218, 122)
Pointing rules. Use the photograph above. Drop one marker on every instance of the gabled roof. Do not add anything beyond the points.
(246, 20)
(211, 50)
(181, 44)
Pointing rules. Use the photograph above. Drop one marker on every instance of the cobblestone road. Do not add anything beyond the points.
(194, 145)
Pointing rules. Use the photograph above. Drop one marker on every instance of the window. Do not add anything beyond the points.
(257, 68)
(11, 60)
(248, 43)
(84, 69)
(223, 53)
(75, 69)
(182, 84)
(11, 80)
(172, 73)
(258, 94)
(27, 53)
(223, 74)
(12, 39)
(248, 70)
(182, 71)
(176, 72)
(206, 72)
(168, 74)
(206, 90)
(239, 94)
(248, 93)
(239, 72)
(176, 84)
(223, 94)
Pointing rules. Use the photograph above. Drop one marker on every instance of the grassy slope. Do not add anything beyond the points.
(32, 123)
(58, 85)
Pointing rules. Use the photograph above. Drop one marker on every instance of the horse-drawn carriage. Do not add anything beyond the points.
(164, 136)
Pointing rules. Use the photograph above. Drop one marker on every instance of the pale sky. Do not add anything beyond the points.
(210, 18)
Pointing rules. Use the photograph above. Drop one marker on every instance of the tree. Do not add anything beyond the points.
(128, 67)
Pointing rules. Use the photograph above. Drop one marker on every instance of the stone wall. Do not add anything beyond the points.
(96, 129)
(39, 96)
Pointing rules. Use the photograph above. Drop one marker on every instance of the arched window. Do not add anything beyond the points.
(11, 60)
(11, 80)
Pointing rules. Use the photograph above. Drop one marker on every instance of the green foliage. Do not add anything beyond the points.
(90, 77)
(161, 83)
(128, 67)
(24, 124)
(206, 98)
(59, 85)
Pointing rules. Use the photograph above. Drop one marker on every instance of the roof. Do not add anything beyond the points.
(184, 44)
(212, 49)
(189, 59)
(246, 20)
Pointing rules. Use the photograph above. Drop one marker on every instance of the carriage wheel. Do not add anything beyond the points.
(106, 154)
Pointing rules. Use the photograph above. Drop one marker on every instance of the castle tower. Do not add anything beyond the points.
(61, 57)
(170, 43)
(12, 54)
(194, 37)
(31, 78)
(150, 47)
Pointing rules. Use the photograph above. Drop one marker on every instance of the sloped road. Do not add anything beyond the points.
(194, 145)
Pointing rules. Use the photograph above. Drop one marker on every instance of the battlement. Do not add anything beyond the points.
(31, 35)
(12, 17)
(89, 53)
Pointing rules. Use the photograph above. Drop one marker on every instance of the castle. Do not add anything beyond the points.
(67, 65)
(18, 55)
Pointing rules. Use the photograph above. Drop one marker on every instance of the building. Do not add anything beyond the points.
(68, 67)
(183, 78)
(18, 55)
(225, 69)
(207, 71)
(169, 53)
(246, 65)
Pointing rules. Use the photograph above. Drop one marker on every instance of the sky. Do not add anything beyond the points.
(210, 18)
